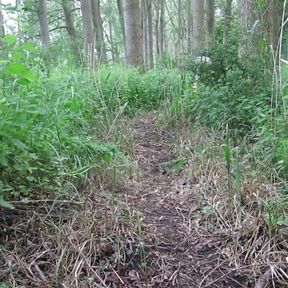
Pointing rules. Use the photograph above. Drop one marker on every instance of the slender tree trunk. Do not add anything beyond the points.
(42, 13)
(210, 21)
(179, 33)
(88, 31)
(133, 32)
(162, 27)
(113, 48)
(249, 28)
(2, 29)
(69, 21)
(189, 26)
(150, 33)
(122, 22)
(157, 16)
(145, 34)
(98, 31)
(198, 25)
(227, 20)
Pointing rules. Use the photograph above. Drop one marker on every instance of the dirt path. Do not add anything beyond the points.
(178, 254)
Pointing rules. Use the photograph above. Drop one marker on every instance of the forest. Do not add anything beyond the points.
(143, 143)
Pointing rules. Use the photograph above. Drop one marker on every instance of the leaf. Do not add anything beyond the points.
(16, 68)
(5, 204)
(29, 47)
(10, 39)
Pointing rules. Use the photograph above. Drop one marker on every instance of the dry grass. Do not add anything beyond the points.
(65, 244)
(178, 221)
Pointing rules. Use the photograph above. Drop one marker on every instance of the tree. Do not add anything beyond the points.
(43, 21)
(98, 31)
(210, 22)
(69, 21)
(189, 26)
(88, 31)
(198, 33)
(272, 14)
(133, 33)
(249, 28)
(159, 26)
(122, 22)
(148, 33)
(2, 29)
(227, 20)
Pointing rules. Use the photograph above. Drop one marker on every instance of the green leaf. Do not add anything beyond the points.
(10, 39)
(16, 68)
(5, 204)
(29, 47)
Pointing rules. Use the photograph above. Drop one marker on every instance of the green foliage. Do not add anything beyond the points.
(117, 86)
(49, 134)
(230, 92)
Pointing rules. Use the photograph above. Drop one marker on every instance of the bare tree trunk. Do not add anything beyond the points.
(133, 32)
(2, 29)
(162, 29)
(145, 34)
(150, 33)
(227, 20)
(249, 28)
(198, 31)
(272, 19)
(189, 27)
(114, 49)
(42, 13)
(210, 21)
(179, 32)
(88, 31)
(69, 21)
(122, 22)
(98, 30)
(157, 14)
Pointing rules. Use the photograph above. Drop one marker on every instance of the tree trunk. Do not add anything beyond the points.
(122, 22)
(210, 21)
(98, 31)
(157, 16)
(249, 28)
(179, 33)
(133, 33)
(272, 19)
(145, 34)
(189, 26)
(2, 29)
(198, 31)
(88, 31)
(150, 33)
(162, 28)
(227, 21)
(42, 13)
(69, 21)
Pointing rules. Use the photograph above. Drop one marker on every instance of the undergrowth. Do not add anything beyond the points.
(59, 125)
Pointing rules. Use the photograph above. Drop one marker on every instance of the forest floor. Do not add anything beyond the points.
(181, 253)
(157, 229)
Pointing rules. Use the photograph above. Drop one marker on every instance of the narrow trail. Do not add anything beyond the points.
(178, 254)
